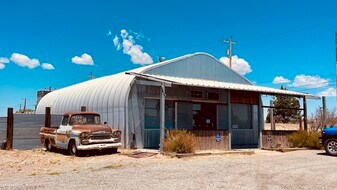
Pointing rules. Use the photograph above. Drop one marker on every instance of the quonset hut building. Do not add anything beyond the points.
(221, 107)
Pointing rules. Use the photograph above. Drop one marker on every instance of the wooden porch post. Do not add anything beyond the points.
(305, 113)
(10, 125)
(83, 108)
(260, 121)
(47, 117)
(229, 109)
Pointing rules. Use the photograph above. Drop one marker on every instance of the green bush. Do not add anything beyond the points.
(303, 139)
(180, 141)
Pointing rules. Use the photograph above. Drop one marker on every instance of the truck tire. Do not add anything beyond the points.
(72, 148)
(48, 146)
(112, 150)
(330, 147)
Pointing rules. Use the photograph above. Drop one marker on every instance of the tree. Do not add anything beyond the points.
(290, 115)
(317, 121)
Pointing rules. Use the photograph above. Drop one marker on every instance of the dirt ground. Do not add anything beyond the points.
(37, 169)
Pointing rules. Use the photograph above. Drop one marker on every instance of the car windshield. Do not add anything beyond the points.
(84, 119)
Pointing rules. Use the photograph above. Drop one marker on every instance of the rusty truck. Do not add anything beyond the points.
(81, 131)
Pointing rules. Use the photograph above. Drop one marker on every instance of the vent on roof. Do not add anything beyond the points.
(161, 59)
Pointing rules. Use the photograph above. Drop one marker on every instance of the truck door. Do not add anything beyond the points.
(62, 133)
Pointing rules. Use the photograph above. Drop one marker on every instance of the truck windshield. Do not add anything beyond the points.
(84, 119)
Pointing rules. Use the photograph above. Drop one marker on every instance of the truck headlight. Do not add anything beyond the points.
(84, 135)
(116, 134)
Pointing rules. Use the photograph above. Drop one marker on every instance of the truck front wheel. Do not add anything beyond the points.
(330, 147)
(72, 148)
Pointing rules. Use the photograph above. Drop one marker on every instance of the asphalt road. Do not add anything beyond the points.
(310, 169)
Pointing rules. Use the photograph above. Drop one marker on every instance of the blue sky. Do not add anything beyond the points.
(291, 39)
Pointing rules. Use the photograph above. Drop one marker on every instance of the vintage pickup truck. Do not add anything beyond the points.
(80, 131)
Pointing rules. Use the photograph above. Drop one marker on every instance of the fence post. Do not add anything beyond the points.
(83, 109)
(10, 122)
(47, 117)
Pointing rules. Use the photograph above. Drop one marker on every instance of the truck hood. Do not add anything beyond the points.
(330, 131)
(92, 128)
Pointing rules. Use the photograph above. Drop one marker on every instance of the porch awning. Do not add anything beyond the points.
(230, 86)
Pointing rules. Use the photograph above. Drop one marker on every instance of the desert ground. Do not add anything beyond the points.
(37, 169)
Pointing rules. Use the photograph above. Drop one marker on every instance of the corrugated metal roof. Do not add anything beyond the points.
(198, 65)
(231, 86)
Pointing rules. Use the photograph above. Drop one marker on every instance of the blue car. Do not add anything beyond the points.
(329, 140)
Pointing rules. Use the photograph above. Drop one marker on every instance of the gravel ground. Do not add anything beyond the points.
(36, 169)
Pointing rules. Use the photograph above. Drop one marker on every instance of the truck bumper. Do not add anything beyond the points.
(99, 146)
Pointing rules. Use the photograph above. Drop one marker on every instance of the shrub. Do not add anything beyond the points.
(180, 141)
(303, 139)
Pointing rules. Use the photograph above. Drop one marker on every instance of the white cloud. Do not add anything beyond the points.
(307, 81)
(138, 56)
(47, 66)
(328, 92)
(280, 80)
(238, 64)
(124, 33)
(24, 61)
(3, 61)
(85, 59)
(116, 43)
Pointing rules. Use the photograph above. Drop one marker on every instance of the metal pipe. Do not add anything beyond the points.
(162, 116)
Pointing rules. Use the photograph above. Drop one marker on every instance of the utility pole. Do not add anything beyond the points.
(91, 76)
(24, 106)
(229, 50)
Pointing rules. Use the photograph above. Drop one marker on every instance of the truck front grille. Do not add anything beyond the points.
(100, 136)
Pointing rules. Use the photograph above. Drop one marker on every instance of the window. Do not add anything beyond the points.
(152, 114)
(65, 120)
(213, 95)
(241, 116)
(85, 119)
(197, 94)
(222, 116)
(204, 116)
(184, 115)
